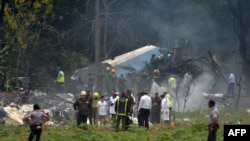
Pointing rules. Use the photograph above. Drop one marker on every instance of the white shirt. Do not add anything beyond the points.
(231, 78)
(145, 102)
(112, 108)
(102, 108)
(165, 104)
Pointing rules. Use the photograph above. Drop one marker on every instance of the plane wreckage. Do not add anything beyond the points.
(138, 66)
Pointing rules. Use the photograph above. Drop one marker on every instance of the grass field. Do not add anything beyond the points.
(189, 126)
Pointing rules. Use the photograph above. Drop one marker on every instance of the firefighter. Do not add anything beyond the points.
(122, 108)
(94, 108)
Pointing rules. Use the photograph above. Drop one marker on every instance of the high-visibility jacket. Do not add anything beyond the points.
(122, 106)
(172, 82)
(169, 97)
(60, 77)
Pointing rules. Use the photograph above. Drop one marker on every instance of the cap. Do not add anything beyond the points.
(144, 91)
(83, 93)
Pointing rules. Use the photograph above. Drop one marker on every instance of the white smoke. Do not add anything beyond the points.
(195, 100)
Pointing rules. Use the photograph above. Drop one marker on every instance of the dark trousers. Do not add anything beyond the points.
(35, 131)
(144, 115)
(230, 89)
(81, 119)
(212, 134)
(93, 116)
(113, 121)
(170, 114)
(155, 115)
(124, 120)
(60, 87)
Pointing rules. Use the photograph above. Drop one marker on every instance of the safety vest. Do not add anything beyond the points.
(172, 82)
(122, 105)
(61, 76)
(168, 96)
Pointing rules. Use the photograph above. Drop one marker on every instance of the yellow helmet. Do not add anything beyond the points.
(113, 70)
(96, 94)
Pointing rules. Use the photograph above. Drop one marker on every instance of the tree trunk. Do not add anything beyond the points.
(97, 31)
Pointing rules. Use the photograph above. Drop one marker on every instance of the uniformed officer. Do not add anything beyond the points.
(213, 120)
(122, 108)
(82, 107)
(35, 119)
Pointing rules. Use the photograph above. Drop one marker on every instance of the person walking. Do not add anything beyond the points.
(144, 108)
(102, 107)
(35, 119)
(60, 80)
(213, 121)
(82, 107)
(122, 108)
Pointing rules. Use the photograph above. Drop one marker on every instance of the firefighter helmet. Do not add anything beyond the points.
(96, 94)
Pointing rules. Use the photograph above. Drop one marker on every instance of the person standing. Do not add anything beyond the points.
(231, 84)
(144, 109)
(155, 110)
(213, 121)
(60, 80)
(94, 108)
(137, 105)
(131, 103)
(170, 104)
(172, 84)
(122, 108)
(102, 107)
(82, 107)
(165, 110)
(112, 101)
(187, 80)
(35, 119)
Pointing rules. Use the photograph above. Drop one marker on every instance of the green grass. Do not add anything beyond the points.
(193, 130)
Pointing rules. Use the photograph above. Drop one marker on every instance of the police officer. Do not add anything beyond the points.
(35, 119)
(122, 108)
(82, 107)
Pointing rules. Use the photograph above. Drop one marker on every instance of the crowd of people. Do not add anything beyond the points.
(111, 110)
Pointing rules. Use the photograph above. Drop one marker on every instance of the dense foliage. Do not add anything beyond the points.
(37, 36)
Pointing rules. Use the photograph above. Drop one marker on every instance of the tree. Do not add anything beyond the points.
(97, 31)
(241, 16)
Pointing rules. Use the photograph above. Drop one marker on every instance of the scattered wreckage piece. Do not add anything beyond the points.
(222, 99)
(15, 113)
(59, 106)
